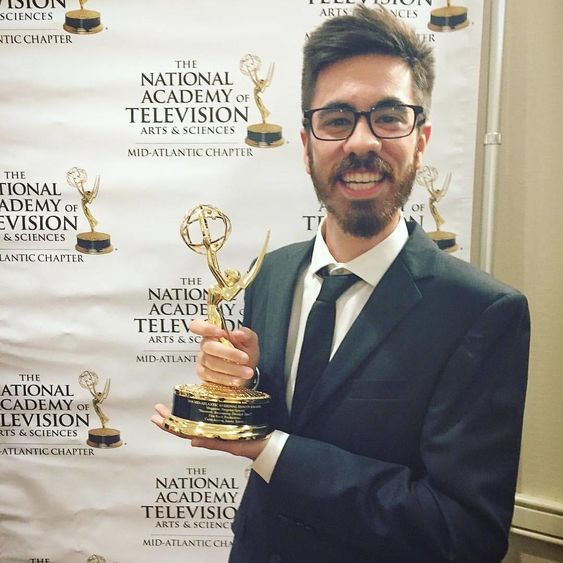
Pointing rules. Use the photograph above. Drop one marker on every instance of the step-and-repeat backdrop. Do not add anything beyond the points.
(108, 137)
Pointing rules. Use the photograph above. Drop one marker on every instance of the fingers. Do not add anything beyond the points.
(243, 338)
(246, 340)
(158, 418)
(162, 412)
(220, 363)
(243, 448)
(206, 329)
(215, 369)
(211, 347)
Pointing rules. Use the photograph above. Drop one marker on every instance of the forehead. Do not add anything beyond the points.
(363, 81)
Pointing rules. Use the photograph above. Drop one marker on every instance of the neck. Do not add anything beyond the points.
(345, 247)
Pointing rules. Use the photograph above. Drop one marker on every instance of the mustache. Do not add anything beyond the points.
(369, 162)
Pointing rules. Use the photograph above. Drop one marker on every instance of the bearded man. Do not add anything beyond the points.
(402, 444)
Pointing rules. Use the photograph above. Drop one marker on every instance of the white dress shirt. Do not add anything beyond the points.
(370, 268)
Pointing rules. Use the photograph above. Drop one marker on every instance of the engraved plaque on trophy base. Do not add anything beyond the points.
(445, 241)
(217, 411)
(450, 18)
(93, 243)
(264, 135)
(83, 22)
(104, 438)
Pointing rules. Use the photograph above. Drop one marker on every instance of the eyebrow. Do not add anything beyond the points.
(385, 102)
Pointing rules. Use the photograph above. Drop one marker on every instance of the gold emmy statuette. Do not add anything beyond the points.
(103, 437)
(260, 134)
(450, 18)
(208, 409)
(426, 176)
(83, 22)
(90, 242)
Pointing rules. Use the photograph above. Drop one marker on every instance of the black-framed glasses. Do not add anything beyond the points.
(387, 121)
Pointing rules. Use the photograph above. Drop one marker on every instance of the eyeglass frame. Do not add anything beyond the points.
(418, 111)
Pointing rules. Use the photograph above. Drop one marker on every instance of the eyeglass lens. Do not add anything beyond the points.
(386, 122)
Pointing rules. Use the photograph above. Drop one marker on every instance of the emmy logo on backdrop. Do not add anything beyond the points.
(90, 242)
(450, 18)
(83, 22)
(211, 410)
(426, 176)
(260, 134)
(103, 437)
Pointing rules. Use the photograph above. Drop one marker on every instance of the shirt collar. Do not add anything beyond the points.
(369, 266)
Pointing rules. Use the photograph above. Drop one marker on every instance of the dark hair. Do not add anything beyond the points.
(367, 31)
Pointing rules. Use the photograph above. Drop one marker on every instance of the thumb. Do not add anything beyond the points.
(243, 337)
(246, 340)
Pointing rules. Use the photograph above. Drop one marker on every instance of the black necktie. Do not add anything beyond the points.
(317, 340)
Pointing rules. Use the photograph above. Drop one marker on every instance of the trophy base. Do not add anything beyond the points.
(264, 135)
(451, 18)
(223, 431)
(217, 411)
(104, 438)
(445, 241)
(93, 243)
(83, 22)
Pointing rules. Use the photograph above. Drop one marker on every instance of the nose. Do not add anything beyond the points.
(362, 140)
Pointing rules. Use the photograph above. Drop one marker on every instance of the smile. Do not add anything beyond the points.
(360, 181)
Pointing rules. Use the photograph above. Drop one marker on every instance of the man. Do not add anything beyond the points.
(406, 448)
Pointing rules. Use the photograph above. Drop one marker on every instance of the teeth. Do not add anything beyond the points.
(360, 180)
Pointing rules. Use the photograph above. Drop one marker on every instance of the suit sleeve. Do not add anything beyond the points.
(460, 508)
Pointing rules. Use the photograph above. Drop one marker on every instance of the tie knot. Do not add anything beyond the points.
(334, 286)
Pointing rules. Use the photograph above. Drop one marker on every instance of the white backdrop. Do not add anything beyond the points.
(89, 101)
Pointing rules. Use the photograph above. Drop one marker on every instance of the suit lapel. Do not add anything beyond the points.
(282, 282)
(391, 301)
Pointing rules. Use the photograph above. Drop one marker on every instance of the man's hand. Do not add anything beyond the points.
(243, 448)
(218, 363)
(222, 364)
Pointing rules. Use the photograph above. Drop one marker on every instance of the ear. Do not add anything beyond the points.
(422, 142)
(306, 139)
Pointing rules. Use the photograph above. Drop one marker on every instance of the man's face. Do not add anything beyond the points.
(363, 181)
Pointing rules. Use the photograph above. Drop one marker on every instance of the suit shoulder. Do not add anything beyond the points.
(286, 253)
(448, 273)
(282, 263)
(460, 274)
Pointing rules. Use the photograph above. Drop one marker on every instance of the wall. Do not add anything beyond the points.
(527, 255)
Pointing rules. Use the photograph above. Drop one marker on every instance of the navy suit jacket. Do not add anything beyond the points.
(408, 448)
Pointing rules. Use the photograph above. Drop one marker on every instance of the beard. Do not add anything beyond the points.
(364, 218)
